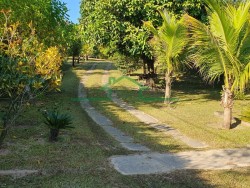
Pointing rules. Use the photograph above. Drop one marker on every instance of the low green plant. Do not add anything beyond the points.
(56, 121)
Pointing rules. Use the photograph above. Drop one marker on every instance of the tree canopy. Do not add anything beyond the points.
(48, 17)
(118, 25)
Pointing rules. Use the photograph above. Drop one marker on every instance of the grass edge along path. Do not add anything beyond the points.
(126, 141)
(123, 120)
(151, 121)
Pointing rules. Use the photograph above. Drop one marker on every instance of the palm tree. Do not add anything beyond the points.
(170, 40)
(223, 48)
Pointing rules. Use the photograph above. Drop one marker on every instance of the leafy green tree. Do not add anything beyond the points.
(170, 40)
(223, 48)
(48, 17)
(75, 43)
(27, 69)
(75, 50)
(87, 50)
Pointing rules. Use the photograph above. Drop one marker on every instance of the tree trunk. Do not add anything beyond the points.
(149, 62)
(227, 118)
(144, 68)
(78, 60)
(73, 61)
(167, 89)
(227, 103)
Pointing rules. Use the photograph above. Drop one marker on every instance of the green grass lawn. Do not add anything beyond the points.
(80, 157)
(192, 114)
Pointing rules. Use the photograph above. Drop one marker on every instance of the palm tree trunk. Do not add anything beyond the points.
(227, 103)
(167, 89)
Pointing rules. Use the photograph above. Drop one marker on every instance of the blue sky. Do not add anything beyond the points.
(74, 9)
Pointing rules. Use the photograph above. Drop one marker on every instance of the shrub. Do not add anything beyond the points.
(28, 68)
(56, 121)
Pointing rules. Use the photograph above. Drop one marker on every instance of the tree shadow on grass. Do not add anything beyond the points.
(196, 178)
(140, 131)
(101, 99)
(177, 179)
(87, 65)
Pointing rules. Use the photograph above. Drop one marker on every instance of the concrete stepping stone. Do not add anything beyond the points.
(152, 163)
(17, 173)
(125, 140)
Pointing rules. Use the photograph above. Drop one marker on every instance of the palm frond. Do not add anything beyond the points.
(149, 25)
(204, 49)
(223, 47)
(244, 78)
(243, 48)
(241, 15)
(171, 39)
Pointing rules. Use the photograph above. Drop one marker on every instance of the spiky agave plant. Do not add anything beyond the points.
(56, 121)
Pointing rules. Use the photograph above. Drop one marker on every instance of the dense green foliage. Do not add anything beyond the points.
(32, 46)
(48, 17)
(118, 25)
(75, 44)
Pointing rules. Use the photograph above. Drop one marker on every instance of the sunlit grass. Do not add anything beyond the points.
(192, 113)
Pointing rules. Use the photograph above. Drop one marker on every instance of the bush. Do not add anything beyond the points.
(28, 68)
(126, 65)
